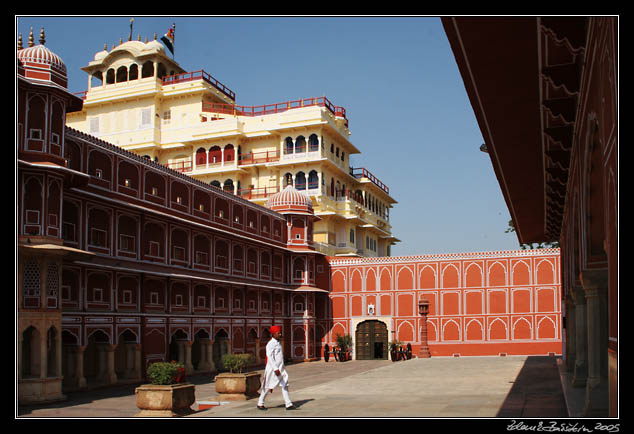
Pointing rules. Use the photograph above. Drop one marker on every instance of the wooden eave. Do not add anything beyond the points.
(525, 102)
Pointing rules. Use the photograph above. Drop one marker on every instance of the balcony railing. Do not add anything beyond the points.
(181, 166)
(257, 193)
(185, 77)
(362, 172)
(259, 157)
(198, 75)
(268, 109)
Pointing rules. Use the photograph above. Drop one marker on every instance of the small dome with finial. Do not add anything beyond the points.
(36, 58)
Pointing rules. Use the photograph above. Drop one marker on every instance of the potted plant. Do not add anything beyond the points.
(167, 395)
(236, 385)
(344, 342)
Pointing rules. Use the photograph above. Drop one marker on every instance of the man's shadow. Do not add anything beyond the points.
(297, 404)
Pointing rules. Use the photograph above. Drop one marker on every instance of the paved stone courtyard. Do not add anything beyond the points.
(466, 387)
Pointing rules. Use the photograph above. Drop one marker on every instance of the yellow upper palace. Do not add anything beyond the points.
(140, 99)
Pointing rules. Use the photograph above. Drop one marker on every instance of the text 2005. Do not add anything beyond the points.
(607, 428)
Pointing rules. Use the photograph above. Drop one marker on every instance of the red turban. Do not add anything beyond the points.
(275, 329)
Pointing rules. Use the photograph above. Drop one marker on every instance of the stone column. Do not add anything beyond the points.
(423, 310)
(43, 352)
(138, 357)
(106, 364)
(189, 368)
(595, 283)
(133, 361)
(258, 343)
(210, 356)
(580, 368)
(203, 365)
(80, 380)
(570, 350)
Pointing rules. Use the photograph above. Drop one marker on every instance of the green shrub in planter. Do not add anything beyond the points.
(236, 362)
(165, 373)
(344, 341)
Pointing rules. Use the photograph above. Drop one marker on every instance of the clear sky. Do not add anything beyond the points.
(408, 111)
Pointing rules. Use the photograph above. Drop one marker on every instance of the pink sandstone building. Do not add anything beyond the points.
(480, 304)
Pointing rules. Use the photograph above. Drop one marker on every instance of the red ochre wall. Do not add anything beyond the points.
(481, 304)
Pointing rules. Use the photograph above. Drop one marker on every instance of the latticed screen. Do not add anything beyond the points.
(31, 284)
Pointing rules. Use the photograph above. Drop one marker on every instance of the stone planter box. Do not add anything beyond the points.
(171, 400)
(238, 387)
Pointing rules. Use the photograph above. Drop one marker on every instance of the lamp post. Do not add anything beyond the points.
(423, 310)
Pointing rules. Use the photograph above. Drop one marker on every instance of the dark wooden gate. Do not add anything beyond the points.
(371, 340)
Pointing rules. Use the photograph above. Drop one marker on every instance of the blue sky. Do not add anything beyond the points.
(396, 77)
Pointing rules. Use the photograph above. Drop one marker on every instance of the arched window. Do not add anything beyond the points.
(122, 74)
(288, 148)
(58, 118)
(228, 185)
(313, 143)
(300, 145)
(110, 76)
(300, 181)
(215, 155)
(215, 183)
(134, 72)
(201, 156)
(36, 123)
(229, 152)
(313, 180)
(288, 179)
(147, 70)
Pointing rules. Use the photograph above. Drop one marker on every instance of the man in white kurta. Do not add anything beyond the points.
(275, 373)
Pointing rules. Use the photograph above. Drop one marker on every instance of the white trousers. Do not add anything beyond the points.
(285, 395)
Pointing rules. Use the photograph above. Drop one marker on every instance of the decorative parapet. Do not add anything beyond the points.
(444, 256)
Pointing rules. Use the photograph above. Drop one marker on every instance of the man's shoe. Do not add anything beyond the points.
(261, 407)
(291, 407)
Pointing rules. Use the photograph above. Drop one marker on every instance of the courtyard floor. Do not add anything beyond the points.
(442, 387)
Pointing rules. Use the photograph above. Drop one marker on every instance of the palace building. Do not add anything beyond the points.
(141, 100)
(124, 260)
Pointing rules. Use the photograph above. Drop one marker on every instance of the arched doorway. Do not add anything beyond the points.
(371, 341)
(220, 348)
(176, 352)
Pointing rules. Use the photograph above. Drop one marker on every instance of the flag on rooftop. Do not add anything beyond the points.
(168, 38)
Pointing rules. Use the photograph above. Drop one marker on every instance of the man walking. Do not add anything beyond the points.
(275, 373)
